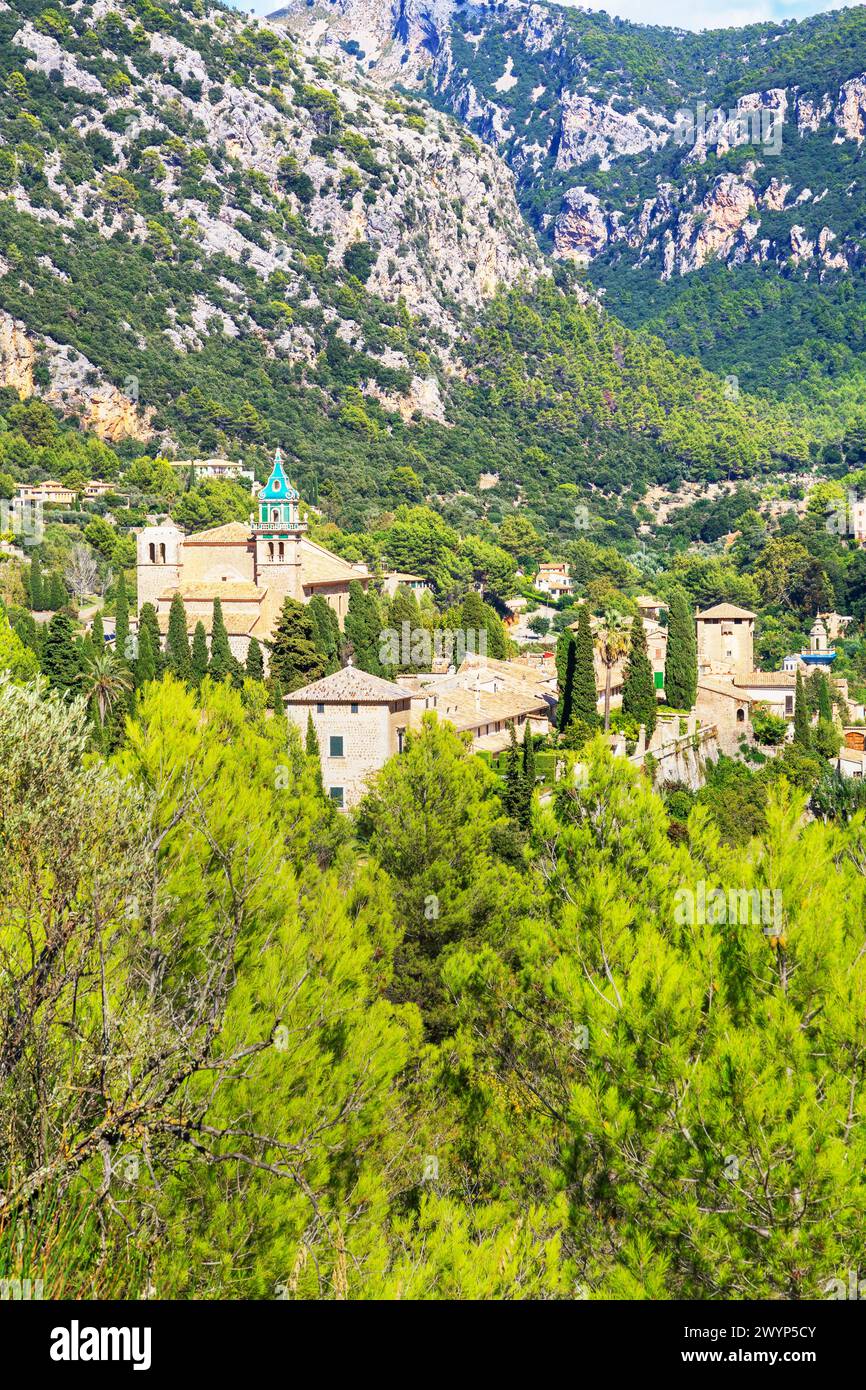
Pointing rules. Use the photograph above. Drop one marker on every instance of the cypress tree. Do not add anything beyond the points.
(295, 658)
(145, 664)
(825, 704)
(802, 732)
(528, 779)
(638, 691)
(177, 642)
(584, 694)
(34, 587)
(57, 594)
(566, 703)
(147, 619)
(313, 753)
(97, 633)
(681, 661)
(222, 663)
(60, 661)
(364, 629)
(121, 640)
(198, 655)
(255, 661)
(276, 700)
(513, 793)
(326, 631)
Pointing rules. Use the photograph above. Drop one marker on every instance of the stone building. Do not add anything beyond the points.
(726, 640)
(250, 566)
(360, 722)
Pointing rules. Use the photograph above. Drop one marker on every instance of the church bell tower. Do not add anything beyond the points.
(278, 531)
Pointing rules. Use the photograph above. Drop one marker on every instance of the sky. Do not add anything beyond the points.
(686, 14)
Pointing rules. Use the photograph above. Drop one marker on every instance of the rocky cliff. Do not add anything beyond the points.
(209, 141)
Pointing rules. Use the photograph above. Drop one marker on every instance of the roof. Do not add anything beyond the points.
(469, 709)
(236, 624)
(321, 566)
(238, 590)
(726, 610)
(647, 601)
(720, 687)
(767, 679)
(348, 686)
(220, 535)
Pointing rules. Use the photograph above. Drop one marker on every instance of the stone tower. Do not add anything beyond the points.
(159, 558)
(278, 531)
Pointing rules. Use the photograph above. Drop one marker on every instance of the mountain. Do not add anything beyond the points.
(657, 156)
(212, 241)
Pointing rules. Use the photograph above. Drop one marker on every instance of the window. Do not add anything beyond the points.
(741, 716)
(789, 704)
(162, 554)
(270, 550)
(152, 549)
(336, 746)
(354, 709)
(401, 733)
(320, 709)
(336, 794)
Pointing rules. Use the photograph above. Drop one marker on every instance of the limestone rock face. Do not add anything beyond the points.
(582, 228)
(589, 129)
(17, 356)
(75, 384)
(577, 120)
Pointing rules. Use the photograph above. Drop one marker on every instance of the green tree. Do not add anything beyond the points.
(177, 657)
(432, 820)
(681, 661)
(326, 630)
(802, 730)
(638, 692)
(149, 622)
(122, 644)
(198, 657)
(145, 662)
(363, 629)
(104, 680)
(585, 696)
(222, 662)
(296, 660)
(255, 661)
(35, 592)
(60, 661)
(527, 779)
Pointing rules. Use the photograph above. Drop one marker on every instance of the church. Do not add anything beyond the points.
(251, 567)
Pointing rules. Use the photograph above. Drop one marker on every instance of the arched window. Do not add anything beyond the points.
(152, 551)
(270, 550)
(282, 551)
(162, 552)
(275, 514)
(741, 716)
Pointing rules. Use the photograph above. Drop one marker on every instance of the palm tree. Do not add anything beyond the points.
(612, 642)
(105, 678)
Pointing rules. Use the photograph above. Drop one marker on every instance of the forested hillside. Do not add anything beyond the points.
(211, 244)
(657, 157)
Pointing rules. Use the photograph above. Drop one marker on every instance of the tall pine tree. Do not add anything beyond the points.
(681, 661)
(255, 661)
(121, 626)
(34, 587)
(198, 655)
(222, 662)
(60, 657)
(802, 730)
(584, 696)
(638, 691)
(177, 643)
(295, 658)
(364, 629)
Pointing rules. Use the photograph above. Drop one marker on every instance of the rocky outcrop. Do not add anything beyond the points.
(75, 386)
(582, 229)
(850, 113)
(589, 129)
